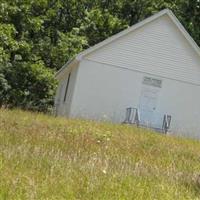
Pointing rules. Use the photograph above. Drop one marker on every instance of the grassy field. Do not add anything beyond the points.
(43, 157)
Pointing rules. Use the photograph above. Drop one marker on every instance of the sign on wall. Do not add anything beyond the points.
(152, 81)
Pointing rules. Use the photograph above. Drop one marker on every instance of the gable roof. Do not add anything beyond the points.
(115, 37)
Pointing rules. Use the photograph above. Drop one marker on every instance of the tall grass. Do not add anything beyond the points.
(42, 157)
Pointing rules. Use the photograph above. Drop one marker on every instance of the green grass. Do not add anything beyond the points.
(42, 157)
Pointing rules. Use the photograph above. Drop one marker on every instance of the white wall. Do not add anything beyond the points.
(104, 92)
(101, 92)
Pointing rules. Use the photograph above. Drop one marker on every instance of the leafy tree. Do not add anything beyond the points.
(189, 14)
(27, 85)
(4, 88)
(99, 25)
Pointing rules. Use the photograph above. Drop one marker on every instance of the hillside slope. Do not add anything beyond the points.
(43, 157)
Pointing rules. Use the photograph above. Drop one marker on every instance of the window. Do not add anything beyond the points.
(152, 81)
(66, 89)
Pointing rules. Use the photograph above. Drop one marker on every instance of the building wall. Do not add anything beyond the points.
(103, 92)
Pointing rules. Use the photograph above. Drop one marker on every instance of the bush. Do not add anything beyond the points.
(27, 85)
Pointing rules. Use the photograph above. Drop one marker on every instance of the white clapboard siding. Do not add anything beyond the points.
(158, 48)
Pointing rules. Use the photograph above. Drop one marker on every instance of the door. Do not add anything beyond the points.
(148, 104)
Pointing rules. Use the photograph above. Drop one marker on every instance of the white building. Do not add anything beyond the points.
(153, 66)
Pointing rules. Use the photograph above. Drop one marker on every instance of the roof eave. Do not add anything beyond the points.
(65, 67)
(185, 33)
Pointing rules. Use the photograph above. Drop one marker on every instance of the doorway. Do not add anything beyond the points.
(148, 106)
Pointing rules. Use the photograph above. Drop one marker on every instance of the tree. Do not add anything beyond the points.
(26, 85)
(99, 25)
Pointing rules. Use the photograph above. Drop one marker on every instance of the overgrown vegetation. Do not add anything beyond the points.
(43, 157)
(38, 37)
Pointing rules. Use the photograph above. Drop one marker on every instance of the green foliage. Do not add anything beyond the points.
(27, 85)
(43, 157)
(45, 34)
(4, 88)
(99, 25)
(190, 14)
(68, 45)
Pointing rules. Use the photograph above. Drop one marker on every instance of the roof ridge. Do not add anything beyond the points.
(133, 28)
